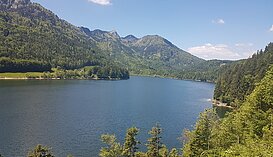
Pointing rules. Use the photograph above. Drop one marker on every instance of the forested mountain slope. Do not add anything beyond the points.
(238, 80)
(33, 38)
(32, 32)
(247, 131)
(154, 55)
(149, 55)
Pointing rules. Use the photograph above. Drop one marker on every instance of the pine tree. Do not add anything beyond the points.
(199, 139)
(40, 151)
(113, 149)
(173, 153)
(130, 144)
(154, 142)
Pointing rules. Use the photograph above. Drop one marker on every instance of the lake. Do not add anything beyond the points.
(70, 115)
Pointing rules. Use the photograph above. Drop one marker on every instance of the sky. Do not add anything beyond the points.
(209, 29)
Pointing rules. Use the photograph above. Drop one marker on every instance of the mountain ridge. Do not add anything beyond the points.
(39, 34)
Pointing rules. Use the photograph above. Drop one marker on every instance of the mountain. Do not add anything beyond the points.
(14, 4)
(129, 39)
(155, 47)
(237, 80)
(149, 55)
(33, 37)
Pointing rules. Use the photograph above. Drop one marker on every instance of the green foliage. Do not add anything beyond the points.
(19, 65)
(40, 151)
(155, 148)
(154, 142)
(238, 80)
(113, 149)
(130, 144)
(33, 39)
(199, 140)
(247, 131)
(163, 151)
(173, 153)
(89, 72)
(154, 56)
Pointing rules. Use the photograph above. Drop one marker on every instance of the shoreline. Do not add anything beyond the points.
(40, 78)
(110, 79)
(169, 77)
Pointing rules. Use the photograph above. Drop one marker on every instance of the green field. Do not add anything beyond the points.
(21, 75)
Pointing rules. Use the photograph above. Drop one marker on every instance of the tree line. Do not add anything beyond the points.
(21, 65)
(237, 80)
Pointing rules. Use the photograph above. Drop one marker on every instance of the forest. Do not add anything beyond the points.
(236, 81)
(33, 39)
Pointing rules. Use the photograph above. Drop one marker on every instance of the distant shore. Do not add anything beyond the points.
(169, 77)
(111, 79)
(39, 78)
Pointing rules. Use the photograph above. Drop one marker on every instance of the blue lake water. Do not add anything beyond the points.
(70, 115)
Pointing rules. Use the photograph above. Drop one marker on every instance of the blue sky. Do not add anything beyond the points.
(222, 29)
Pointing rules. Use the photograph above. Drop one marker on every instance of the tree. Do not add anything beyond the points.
(173, 153)
(154, 142)
(199, 138)
(141, 154)
(113, 149)
(164, 152)
(130, 144)
(40, 151)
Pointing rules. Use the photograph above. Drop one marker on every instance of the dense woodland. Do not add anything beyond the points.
(33, 39)
(237, 81)
(247, 131)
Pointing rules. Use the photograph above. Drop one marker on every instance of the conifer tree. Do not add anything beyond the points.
(154, 142)
(40, 151)
(130, 144)
(113, 149)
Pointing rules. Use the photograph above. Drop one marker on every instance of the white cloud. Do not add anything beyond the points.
(221, 51)
(271, 29)
(244, 44)
(218, 21)
(101, 2)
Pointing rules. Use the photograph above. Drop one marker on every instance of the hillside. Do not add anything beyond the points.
(35, 39)
(237, 81)
(154, 55)
(247, 131)
(155, 51)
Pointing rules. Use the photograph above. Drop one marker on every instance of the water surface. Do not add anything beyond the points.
(70, 115)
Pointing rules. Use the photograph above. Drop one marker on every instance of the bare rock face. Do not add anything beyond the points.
(14, 4)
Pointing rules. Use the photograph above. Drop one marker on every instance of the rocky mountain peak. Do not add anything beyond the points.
(114, 34)
(14, 4)
(129, 38)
